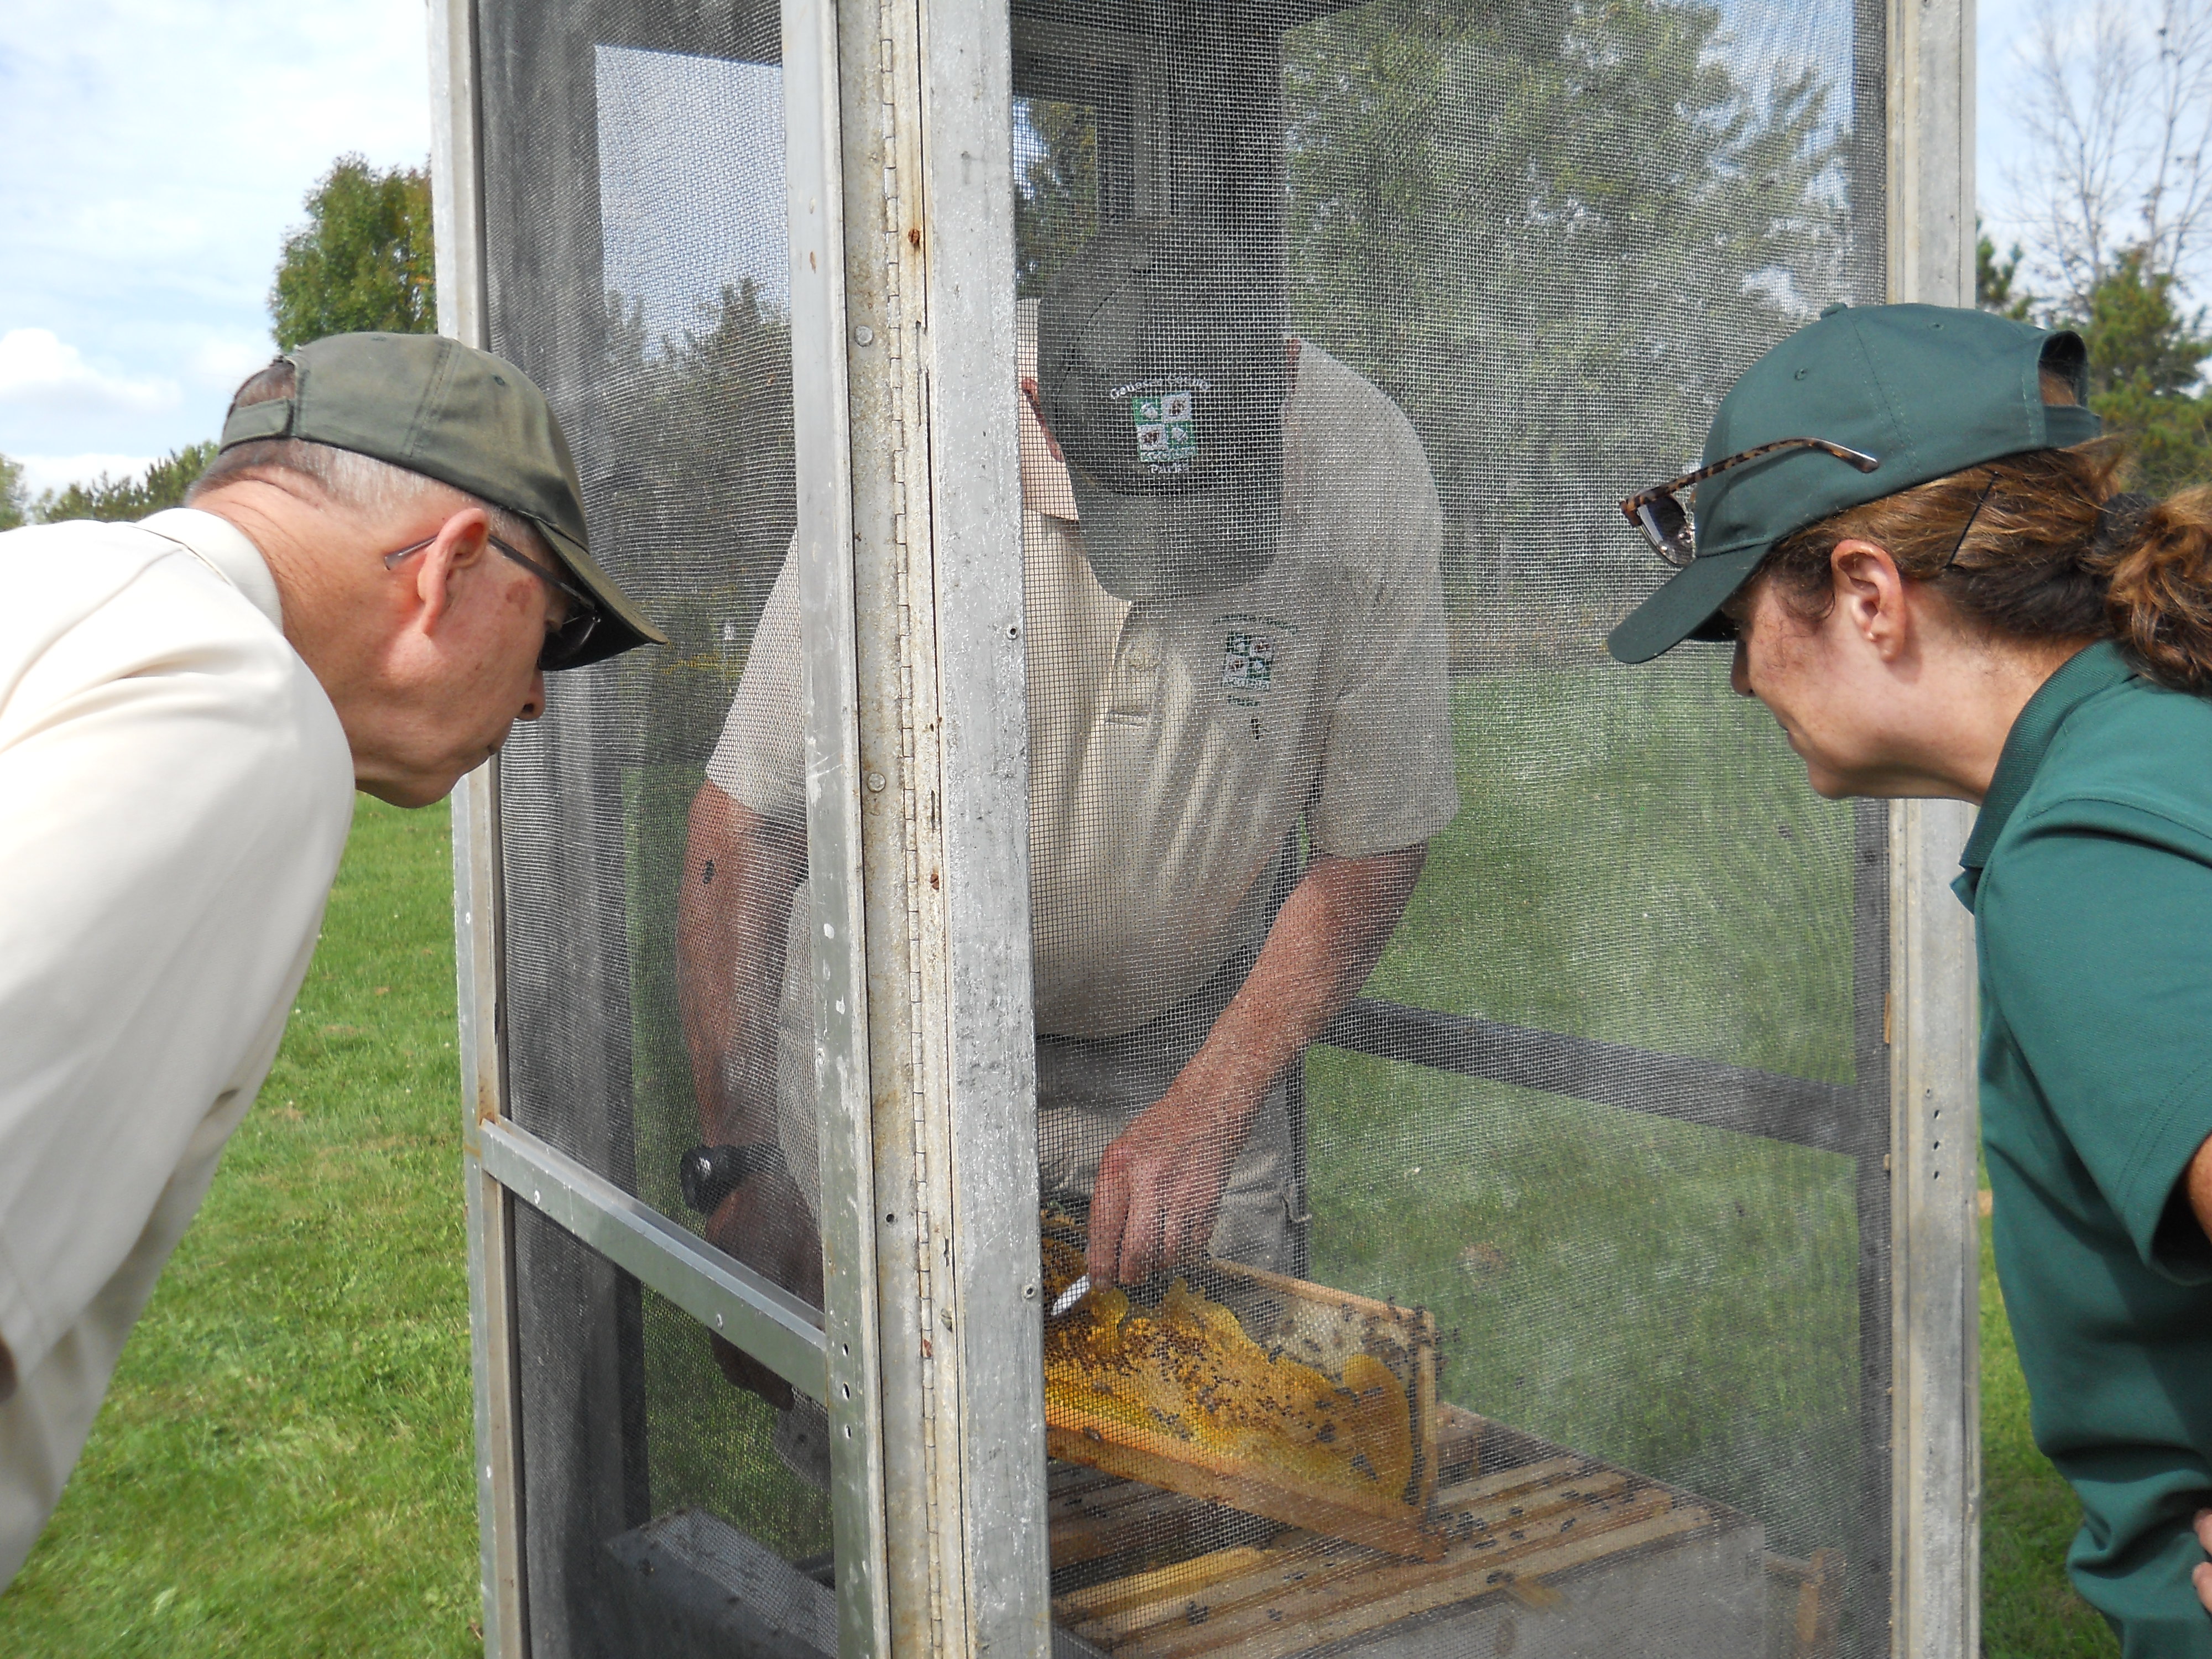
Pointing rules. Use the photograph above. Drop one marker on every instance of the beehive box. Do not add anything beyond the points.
(1541, 1550)
(1317, 1327)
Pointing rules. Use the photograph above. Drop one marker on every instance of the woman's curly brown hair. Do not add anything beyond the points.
(2055, 551)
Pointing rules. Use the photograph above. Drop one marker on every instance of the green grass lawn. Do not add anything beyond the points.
(1680, 1300)
(1638, 859)
(283, 1466)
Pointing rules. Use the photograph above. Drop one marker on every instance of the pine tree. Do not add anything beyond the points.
(1997, 283)
(2146, 366)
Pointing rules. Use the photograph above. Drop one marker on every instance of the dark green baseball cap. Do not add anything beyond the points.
(1928, 391)
(1161, 372)
(463, 417)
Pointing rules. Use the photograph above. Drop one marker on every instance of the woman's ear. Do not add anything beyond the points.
(1870, 596)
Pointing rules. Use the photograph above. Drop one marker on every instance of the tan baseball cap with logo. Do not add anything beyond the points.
(1161, 372)
(463, 417)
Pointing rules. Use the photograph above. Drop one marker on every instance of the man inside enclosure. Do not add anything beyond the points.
(1235, 628)
(365, 593)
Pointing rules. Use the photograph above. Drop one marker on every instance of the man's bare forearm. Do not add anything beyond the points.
(1160, 1183)
(740, 871)
(1326, 941)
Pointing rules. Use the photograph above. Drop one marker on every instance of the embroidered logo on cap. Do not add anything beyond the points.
(1167, 427)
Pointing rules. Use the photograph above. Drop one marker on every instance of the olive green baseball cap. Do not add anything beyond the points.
(1927, 390)
(463, 417)
(1161, 374)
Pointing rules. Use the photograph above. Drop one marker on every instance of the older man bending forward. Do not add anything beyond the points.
(365, 593)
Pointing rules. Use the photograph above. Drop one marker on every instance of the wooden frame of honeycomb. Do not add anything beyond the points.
(1313, 1408)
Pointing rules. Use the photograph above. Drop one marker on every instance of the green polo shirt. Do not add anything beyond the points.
(2089, 874)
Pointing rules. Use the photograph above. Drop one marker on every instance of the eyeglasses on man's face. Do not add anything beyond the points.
(1666, 523)
(564, 642)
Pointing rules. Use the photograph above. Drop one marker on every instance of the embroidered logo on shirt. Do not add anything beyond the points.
(1248, 662)
(1167, 427)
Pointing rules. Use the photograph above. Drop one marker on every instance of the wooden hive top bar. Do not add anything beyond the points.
(1503, 1534)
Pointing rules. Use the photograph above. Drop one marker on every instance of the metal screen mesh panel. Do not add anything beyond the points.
(1608, 1116)
(663, 1513)
(636, 233)
(1611, 1107)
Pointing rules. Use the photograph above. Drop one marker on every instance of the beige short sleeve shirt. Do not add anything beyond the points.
(175, 791)
(1174, 745)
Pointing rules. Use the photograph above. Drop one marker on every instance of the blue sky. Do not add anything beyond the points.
(153, 153)
(2005, 31)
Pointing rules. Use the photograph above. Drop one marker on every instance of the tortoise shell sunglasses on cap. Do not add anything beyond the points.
(1666, 523)
(566, 639)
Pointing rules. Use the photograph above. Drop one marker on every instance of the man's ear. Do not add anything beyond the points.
(463, 542)
(1036, 401)
(1870, 593)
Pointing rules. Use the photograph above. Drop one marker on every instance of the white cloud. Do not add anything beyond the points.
(39, 369)
(45, 472)
(157, 152)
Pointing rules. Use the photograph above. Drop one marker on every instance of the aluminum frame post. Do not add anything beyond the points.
(974, 491)
(457, 211)
(1935, 1257)
(824, 546)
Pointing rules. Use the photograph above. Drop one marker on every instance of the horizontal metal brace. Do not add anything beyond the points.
(723, 1294)
(1834, 1118)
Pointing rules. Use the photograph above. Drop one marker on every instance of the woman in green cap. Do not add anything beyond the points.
(1912, 531)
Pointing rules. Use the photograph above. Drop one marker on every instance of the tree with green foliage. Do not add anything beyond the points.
(14, 508)
(163, 485)
(362, 261)
(700, 420)
(2145, 373)
(1056, 198)
(1554, 232)
(1998, 286)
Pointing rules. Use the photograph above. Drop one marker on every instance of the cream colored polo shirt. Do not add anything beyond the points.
(175, 791)
(1175, 745)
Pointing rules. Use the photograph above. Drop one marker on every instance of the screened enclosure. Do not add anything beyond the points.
(1137, 780)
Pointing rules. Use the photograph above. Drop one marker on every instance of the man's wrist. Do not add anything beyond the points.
(1222, 1109)
(707, 1174)
(1233, 1076)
